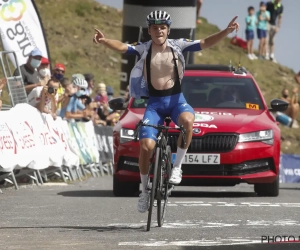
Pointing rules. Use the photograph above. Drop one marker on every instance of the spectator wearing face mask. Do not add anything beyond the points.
(44, 71)
(29, 73)
(75, 108)
(44, 98)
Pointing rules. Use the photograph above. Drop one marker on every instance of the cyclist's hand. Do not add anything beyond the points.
(233, 25)
(98, 37)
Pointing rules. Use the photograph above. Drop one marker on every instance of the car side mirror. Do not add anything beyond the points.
(117, 104)
(278, 105)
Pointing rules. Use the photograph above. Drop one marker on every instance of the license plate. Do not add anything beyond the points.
(202, 159)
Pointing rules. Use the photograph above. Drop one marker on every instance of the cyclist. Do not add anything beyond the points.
(157, 75)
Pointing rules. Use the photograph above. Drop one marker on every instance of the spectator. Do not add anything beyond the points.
(110, 92)
(293, 108)
(59, 71)
(90, 80)
(297, 78)
(29, 72)
(263, 17)
(44, 98)
(58, 75)
(75, 108)
(101, 92)
(2, 84)
(275, 9)
(251, 21)
(199, 5)
(63, 100)
(44, 71)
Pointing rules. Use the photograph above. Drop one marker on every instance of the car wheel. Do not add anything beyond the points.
(267, 189)
(121, 189)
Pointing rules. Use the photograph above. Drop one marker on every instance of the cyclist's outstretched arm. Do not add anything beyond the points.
(112, 44)
(215, 38)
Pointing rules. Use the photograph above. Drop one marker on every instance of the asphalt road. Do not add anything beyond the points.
(86, 215)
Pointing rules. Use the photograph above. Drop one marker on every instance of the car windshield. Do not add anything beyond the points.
(217, 92)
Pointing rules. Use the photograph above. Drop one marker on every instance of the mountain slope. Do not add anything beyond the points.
(69, 30)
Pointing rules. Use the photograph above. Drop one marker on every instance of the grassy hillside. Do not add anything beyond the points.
(69, 30)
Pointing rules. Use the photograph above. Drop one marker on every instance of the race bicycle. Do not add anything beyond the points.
(160, 169)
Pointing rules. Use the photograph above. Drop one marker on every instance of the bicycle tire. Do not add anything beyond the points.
(153, 189)
(164, 186)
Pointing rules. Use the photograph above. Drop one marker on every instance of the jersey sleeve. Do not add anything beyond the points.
(70, 105)
(189, 45)
(135, 49)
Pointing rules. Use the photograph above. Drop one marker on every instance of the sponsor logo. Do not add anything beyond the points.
(188, 40)
(204, 125)
(203, 118)
(196, 130)
(213, 113)
(13, 10)
(252, 106)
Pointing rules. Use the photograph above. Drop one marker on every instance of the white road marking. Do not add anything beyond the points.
(203, 242)
(232, 204)
(210, 224)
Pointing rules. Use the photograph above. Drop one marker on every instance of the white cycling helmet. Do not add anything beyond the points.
(82, 83)
(159, 17)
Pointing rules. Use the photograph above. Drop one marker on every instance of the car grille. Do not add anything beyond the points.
(207, 143)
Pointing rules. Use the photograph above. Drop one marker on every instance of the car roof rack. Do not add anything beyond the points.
(214, 67)
(240, 70)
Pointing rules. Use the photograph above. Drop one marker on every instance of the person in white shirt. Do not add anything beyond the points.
(45, 98)
(44, 70)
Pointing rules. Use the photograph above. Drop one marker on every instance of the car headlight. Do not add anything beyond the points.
(266, 136)
(126, 135)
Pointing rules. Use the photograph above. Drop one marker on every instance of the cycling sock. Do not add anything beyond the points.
(144, 179)
(179, 157)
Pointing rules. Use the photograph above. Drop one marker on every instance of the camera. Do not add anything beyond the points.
(50, 90)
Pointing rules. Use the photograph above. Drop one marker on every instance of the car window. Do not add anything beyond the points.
(221, 92)
(216, 92)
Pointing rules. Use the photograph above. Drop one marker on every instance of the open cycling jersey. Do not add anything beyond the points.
(138, 85)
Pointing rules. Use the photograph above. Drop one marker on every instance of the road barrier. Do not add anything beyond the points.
(33, 144)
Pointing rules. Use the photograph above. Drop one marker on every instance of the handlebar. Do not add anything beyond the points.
(159, 128)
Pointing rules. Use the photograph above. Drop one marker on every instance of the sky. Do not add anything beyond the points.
(220, 13)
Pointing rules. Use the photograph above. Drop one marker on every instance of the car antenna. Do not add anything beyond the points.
(239, 69)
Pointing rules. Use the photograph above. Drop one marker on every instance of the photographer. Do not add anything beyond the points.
(45, 98)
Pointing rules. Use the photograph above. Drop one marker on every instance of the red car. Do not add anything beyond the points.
(235, 137)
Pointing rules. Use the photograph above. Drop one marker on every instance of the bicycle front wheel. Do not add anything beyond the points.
(154, 186)
(163, 185)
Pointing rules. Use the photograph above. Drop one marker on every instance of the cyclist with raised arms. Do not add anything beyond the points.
(157, 75)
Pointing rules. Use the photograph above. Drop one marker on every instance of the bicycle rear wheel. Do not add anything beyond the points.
(154, 187)
(164, 174)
